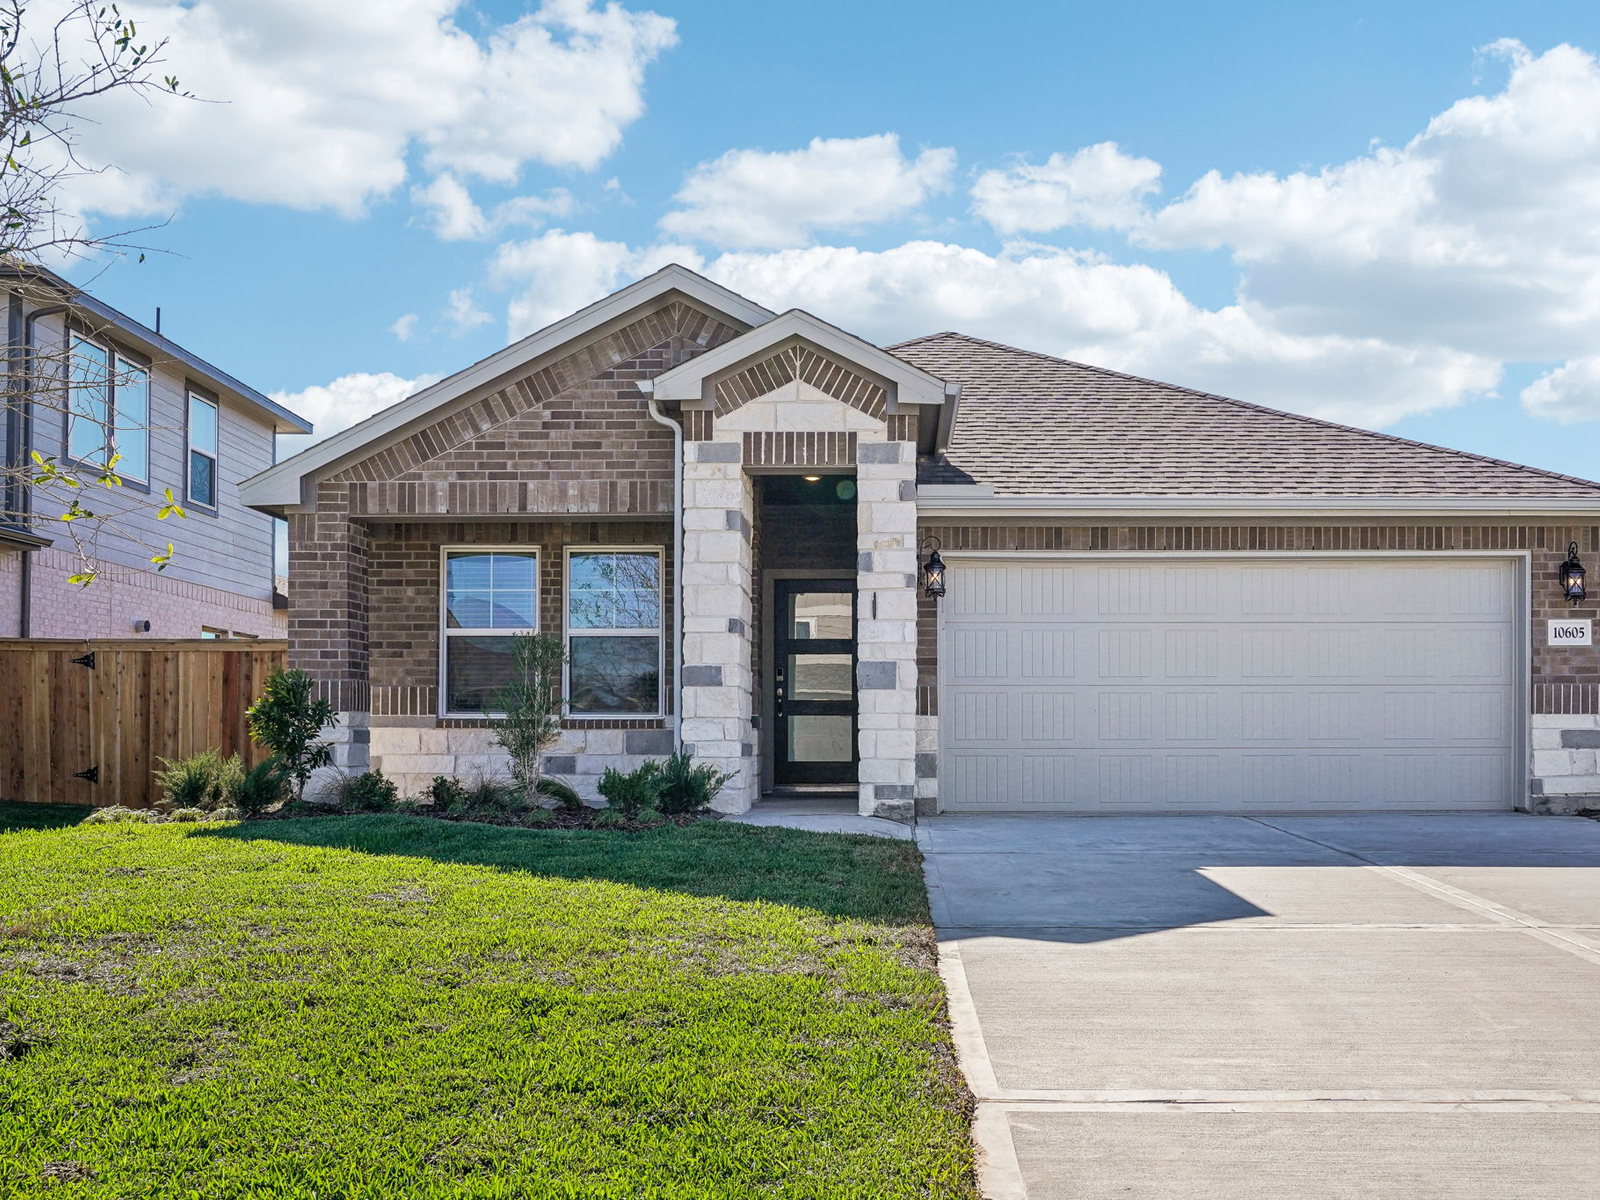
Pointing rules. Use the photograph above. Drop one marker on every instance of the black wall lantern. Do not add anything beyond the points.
(1571, 574)
(932, 569)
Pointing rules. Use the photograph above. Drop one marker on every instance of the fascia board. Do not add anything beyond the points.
(967, 501)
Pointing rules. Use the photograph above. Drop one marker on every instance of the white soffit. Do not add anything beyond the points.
(283, 485)
(688, 381)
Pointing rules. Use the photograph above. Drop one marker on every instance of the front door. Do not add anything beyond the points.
(814, 681)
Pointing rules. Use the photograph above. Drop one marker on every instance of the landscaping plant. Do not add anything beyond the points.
(532, 704)
(563, 793)
(370, 791)
(628, 793)
(288, 722)
(259, 788)
(687, 786)
(202, 781)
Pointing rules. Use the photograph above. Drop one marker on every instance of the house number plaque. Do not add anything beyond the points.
(1570, 633)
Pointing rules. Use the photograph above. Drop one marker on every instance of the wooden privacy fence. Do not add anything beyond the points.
(85, 722)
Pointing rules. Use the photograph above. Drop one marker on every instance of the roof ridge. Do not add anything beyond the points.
(1323, 422)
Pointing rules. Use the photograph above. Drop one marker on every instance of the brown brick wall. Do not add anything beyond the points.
(802, 363)
(404, 638)
(1565, 680)
(328, 598)
(573, 436)
(800, 449)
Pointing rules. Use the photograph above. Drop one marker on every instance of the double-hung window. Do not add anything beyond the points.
(202, 450)
(108, 410)
(614, 631)
(490, 593)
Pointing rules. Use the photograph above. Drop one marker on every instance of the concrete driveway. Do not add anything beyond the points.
(1284, 1008)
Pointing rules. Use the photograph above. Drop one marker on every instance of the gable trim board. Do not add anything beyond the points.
(1102, 754)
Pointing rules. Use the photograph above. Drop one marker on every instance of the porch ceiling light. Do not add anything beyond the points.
(932, 568)
(1571, 575)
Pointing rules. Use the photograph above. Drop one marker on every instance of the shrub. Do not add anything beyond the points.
(370, 791)
(259, 788)
(609, 816)
(446, 792)
(288, 722)
(560, 791)
(627, 793)
(224, 814)
(688, 786)
(486, 794)
(200, 781)
(532, 704)
(187, 814)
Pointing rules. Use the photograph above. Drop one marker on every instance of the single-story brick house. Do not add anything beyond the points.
(1156, 599)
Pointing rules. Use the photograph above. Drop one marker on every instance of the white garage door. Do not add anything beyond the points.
(1228, 685)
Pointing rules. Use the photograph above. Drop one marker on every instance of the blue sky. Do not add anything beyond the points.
(1397, 233)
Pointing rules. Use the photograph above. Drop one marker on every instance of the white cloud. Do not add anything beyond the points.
(338, 405)
(450, 209)
(1099, 187)
(558, 273)
(404, 327)
(319, 105)
(455, 216)
(753, 199)
(1129, 318)
(1569, 393)
(1481, 233)
(463, 312)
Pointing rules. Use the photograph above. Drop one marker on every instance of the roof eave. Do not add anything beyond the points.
(159, 346)
(970, 500)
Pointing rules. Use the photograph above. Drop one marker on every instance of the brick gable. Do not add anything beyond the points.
(806, 365)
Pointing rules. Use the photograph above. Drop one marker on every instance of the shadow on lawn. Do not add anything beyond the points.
(867, 878)
(15, 815)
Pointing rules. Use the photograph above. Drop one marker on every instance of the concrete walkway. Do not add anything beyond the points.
(1284, 1008)
(821, 816)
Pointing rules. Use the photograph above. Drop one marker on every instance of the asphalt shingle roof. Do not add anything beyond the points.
(1033, 425)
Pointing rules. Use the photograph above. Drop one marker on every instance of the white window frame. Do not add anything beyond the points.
(446, 633)
(118, 364)
(190, 395)
(659, 632)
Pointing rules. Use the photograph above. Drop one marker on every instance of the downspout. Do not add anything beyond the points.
(647, 386)
(25, 605)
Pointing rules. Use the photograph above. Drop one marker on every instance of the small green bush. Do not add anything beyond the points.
(259, 788)
(187, 814)
(288, 722)
(609, 816)
(369, 791)
(202, 780)
(688, 786)
(560, 791)
(628, 793)
(487, 794)
(446, 792)
(225, 814)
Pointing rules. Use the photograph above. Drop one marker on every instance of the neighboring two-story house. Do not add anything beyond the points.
(103, 383)
(947, 574)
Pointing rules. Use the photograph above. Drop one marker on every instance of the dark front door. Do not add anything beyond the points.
(814, 681)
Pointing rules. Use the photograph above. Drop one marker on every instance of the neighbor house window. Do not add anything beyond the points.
(108, 409)
(614, 632)
(202, 451)
(490, 594)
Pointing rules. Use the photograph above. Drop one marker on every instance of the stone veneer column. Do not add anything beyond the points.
(718, 686)
(886, 626)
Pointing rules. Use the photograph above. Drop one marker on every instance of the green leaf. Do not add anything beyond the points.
(83, 578)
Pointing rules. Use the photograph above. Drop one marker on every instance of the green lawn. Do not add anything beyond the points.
(398, 1007)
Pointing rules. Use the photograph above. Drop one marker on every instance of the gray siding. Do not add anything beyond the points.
(231, 550)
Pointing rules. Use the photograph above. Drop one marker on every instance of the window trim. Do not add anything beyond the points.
(116, 353)
(191, 393)
(445, 633)
(659, 633)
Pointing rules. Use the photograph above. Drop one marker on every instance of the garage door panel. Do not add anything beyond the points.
(1229, 686)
